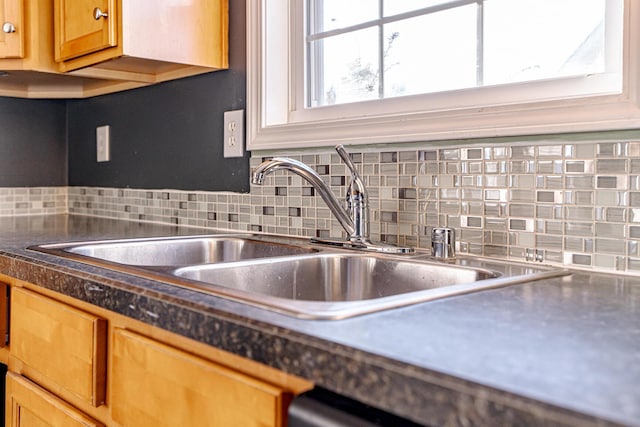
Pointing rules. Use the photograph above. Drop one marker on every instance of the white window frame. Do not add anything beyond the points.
(275, 122)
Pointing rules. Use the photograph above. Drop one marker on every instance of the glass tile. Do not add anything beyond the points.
(610, 230)
(522, 166)
(585, 150)
(496, 224)
(616, 215)
(579, 213)
(634, 199)
(496, 195)
(611, 166)
(522, 152)
(575, 244)
(450, 154)
(546, 196)
(579, 259)
(634, 232)
(579, 182)
(408, 156)
(521, 224)
(549, 242)
(550, 151)
(584, 229)
(471, 194)
(428, 155)
(471, 153)
(496, 181)
(522, 196)
(611, 149)
(521, 210)
(500, 152)
(611, 246)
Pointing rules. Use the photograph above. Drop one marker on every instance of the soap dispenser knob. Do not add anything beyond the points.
(443, 243)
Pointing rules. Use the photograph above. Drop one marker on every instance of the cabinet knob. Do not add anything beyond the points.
(98, 13)
(8, 27)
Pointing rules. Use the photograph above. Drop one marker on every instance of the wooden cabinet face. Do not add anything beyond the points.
(12, 29)
(78, 32)
(155, 384)
(30, 406)
(63, 345)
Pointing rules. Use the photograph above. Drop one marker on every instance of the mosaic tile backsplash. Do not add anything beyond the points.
(573, 204)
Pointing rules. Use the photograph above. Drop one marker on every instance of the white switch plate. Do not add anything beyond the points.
(103, 144)
(234, 133)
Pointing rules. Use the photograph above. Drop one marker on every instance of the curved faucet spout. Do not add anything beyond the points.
(354, 219)
(312, 177)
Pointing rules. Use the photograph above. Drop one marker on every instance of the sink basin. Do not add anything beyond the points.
(334, 277)
(294, 277)
(178, 251)
(336, 286)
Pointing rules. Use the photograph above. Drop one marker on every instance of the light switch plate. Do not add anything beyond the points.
(233, 133)
(103, 144)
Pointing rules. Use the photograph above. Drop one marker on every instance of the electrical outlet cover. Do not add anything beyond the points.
(233, 133)
(103, 146)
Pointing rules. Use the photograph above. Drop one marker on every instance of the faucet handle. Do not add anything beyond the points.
(346, 158)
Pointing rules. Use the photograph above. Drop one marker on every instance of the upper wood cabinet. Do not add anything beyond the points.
(141, 41)
(84, 26)
(83, 48)
(12, 30)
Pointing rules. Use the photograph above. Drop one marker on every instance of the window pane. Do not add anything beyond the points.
(394, 7)
(347, 68)
(431, 53)
(342, 13)
(537, 39)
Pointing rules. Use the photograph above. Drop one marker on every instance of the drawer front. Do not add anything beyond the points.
(153, 384)
(30, 406)
(62, 344)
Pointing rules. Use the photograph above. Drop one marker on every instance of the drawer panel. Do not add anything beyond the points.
(30, 406)
(155, 384)
(71, 344)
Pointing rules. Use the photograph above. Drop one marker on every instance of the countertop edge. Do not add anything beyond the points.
(419, 394)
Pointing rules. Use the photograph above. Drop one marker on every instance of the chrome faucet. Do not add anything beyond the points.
(354, 220)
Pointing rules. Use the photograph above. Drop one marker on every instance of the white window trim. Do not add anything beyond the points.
(273, 102)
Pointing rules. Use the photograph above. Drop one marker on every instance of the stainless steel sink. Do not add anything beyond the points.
(178, 251)
(334, 277)
(294, 277)
(336, 286)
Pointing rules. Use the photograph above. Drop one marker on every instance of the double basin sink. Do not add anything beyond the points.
(296, 277)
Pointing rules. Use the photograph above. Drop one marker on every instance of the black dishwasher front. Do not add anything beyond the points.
(322, 408)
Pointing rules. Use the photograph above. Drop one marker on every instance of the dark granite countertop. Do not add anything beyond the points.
(562, 351)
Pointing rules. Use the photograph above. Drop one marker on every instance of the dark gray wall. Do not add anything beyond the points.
(33, 150)
(167, 135)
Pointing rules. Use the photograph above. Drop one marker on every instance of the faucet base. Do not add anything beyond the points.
(365, 245)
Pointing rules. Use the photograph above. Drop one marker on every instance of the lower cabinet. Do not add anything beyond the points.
(154, 384)
(73, 364)
(31, 406)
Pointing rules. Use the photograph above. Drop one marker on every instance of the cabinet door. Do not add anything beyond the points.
(78, 32)
(153, 384)
(12, 29)
(30, 406)
(59, 345)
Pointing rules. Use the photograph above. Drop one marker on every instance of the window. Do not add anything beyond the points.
(328, 71)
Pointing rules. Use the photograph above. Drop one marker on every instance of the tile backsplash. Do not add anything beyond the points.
(33, 200)
(572, 203)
